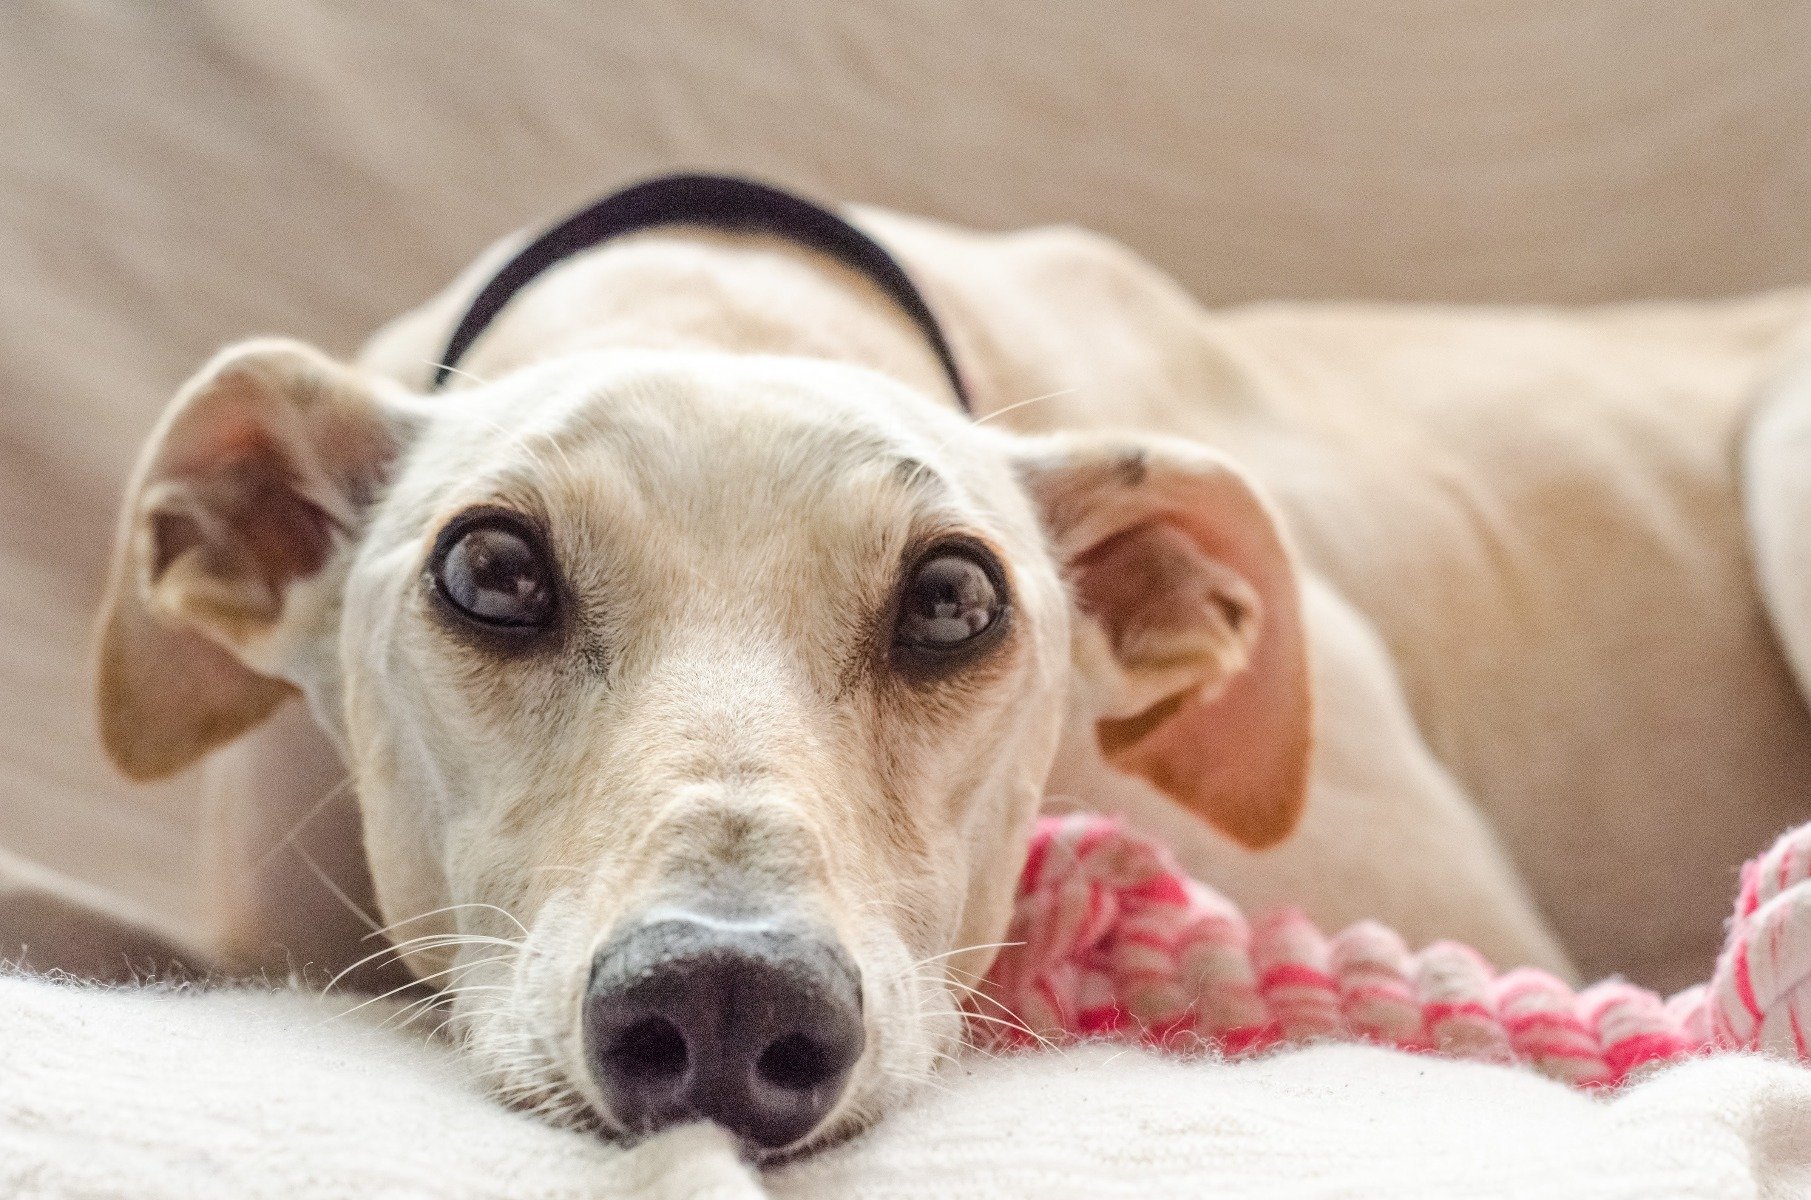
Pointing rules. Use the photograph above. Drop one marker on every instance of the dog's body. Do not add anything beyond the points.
(1525, 581)
(1533, 601)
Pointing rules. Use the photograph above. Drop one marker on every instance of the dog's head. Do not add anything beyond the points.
(698, 705)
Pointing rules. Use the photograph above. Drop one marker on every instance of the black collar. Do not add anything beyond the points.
(716, 202)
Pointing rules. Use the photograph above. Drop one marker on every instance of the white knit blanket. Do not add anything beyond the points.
(255, 1094)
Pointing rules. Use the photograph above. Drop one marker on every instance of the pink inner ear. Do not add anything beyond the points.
(1222, 732)
(231, 437)
(1229, 759)
(257, 522)
(1152, 590)
(242, 473)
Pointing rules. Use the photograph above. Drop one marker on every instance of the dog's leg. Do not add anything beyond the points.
(50, 922)
(1776, 492)
(292, 893)
(292, 896)
(1387, 833)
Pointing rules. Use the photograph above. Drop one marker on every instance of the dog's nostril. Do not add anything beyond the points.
(795, 1062)
(652, 1049)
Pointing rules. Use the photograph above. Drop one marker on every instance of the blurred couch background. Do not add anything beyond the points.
(178, 174)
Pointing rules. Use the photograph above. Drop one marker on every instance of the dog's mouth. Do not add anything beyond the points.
(786, 1032)
(835, 1133)
(758, 1025)
(566, 1104)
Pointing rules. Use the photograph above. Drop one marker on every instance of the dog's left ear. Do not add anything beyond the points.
(1189, 643)
(221, 578)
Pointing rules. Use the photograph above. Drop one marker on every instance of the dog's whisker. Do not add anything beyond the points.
(939, 975)
(423, 979)
(397, 949)
(944, 1056)
(463, 1018)
(387, 951)
(1006, 1012)
(962, 950)
(523, 1076)
(1002, 411)
(1015, 1026)
(338, 893)
(319, 806)
(454, 991)
(970, 974)
(451, 908)
(961, 1015)
(521, 438)
(450, 369)
(407, 1016)
(432, 941)
(448, 997)
(1010, 1019)
(1007, 1016)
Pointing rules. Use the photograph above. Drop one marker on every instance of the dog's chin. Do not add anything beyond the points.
(831, 1134)
(569, 1109)
(573, 1103)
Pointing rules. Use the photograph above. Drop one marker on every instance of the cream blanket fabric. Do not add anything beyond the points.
(255, 1094)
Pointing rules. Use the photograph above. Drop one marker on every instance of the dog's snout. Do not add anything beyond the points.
(755, 1026)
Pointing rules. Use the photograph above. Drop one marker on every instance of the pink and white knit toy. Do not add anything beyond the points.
(1111, 940)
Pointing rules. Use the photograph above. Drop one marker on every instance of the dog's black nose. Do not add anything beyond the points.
(754, 1026)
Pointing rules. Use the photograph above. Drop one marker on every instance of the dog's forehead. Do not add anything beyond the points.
(671, 430)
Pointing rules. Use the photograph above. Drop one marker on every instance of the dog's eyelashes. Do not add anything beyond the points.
(495, 573)
(952, 596)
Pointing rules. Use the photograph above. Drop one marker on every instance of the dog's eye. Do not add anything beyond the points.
(951, 597)
(495, 574)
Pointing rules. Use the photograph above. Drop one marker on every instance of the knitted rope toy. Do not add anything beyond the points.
(1110, 940)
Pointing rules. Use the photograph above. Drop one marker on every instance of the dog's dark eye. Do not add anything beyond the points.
(951, 597)
(495, 574)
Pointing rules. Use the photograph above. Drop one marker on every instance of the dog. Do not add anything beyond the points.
(680, 682)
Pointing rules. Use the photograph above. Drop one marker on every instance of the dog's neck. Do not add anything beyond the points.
(693, 289)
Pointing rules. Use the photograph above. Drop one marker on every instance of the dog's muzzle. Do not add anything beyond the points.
(752, 1024)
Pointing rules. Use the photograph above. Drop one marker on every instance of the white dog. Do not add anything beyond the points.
(699, 665)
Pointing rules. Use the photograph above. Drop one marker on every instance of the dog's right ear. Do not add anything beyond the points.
(222, 587)
(1190, 645)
